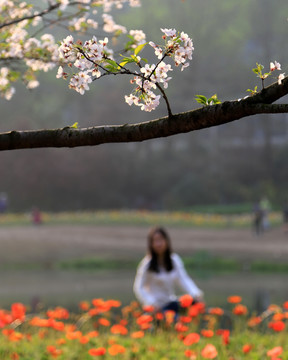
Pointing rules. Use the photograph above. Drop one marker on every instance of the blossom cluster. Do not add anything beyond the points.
(107, 4)
(259, 72)
(18, 47)
(93, 59)
(153, 74)
(177, 46)
(277, 66)
(88, 61)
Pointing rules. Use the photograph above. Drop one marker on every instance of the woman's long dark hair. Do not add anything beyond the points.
(154, 266)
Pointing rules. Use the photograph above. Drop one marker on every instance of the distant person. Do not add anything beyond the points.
(257, 219)
(158, 274)
(3, 203)
(265, 207)
(36, 216)
(285, 217)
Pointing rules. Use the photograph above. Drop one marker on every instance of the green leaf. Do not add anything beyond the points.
(139, 48)
(74, 126)
(253, 91)
(123, 63)
(131, 37)
(126, 60)
(134, 58)
(111, 68)
(201, 99)
(111, 62)
(213, 100)
(112, 65)
(265, 75)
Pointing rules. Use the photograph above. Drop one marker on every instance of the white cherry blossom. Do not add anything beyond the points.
(169, 32)
(139, 37)
(280, 78)
(275, 66)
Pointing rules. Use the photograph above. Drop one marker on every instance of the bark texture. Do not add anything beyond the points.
(261, 103)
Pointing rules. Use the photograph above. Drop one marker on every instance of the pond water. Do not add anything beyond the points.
(67, 288)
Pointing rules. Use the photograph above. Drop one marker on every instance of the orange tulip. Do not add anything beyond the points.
(225, 333)
(148, 308)
(276, 325)
(196, 309)
(278, 317)
(15, 356)
(98, 302)
(97, 351)
(191, 338)
(276, 351)
(144, 319)
(37, 321)
(190, 354)
(53, 350)
(116, 349)
(216, 311)
(159, 316)
(92, 334)
(185, 300)
(137, 334)
(185, 319)
(181, 327)
(113, 303)
(247, 348)
(18, 311)
(104, 322)
(42, 334)
(285, 305)
(207, 333)
(70, 327)
(118, 329)
(193, 311)
(84, 305)
(169, 316)
(240, 309)
(145, 326)
(58, 313)
(234, 299)
(253, 321)
(61, 341)
(58, 325)
(84, 339)
(72, 335)
(209, 352)
(15, 336)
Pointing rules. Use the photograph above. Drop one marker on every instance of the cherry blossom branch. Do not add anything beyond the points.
(56, 21)
(208, 116)
(51, 8)
(42, 13)
(170, 114)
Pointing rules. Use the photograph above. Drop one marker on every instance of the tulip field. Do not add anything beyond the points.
(104, 329)
(142, 217)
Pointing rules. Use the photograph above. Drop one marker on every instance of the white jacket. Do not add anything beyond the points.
(158, 289)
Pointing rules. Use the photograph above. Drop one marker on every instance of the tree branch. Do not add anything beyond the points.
(29, 17)
(42, 13)
(201, 118)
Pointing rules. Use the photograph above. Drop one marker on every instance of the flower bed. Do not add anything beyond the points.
(105, 329)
